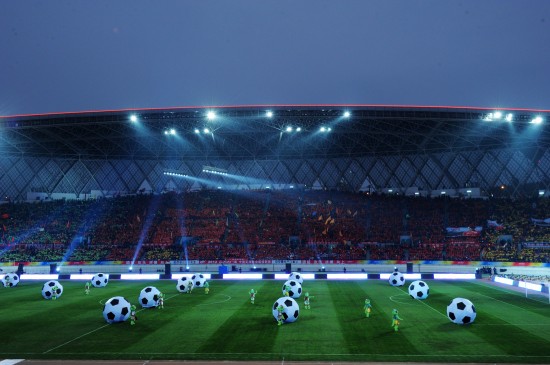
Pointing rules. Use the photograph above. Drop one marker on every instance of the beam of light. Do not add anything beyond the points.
(36, 228)
(181, 226)
(151, 211)
(93, 213)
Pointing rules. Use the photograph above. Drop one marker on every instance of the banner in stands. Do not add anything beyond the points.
(282, 262)
(541, 222)
(494, 225)
(464, 231)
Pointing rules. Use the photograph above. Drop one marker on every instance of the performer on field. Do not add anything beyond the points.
(395, 320)
(367, 307)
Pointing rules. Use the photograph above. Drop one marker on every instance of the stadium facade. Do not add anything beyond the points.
(390, 149)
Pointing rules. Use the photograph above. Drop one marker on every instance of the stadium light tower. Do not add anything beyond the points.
(133, 118)
(497, 115)
(211, 115)
(269, 114)
(536, 120)
(509, 117)
(347, 114)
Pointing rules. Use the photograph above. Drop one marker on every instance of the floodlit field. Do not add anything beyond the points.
(224, 325)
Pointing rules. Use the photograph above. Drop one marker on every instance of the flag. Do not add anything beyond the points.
(495, 225)
(541, 222)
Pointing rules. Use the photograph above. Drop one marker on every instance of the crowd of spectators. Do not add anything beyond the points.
(280, 225)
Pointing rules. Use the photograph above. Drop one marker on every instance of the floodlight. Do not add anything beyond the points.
(133, 118)
(269, 113)
(166, 132)
(497, 115)
(537, 120)
(289, 129)
(211, 115)
(206, 130)
(329, 129)
(541, 192)
(509, 117)
(488, 117)
(172, 131)
(323, 129)
(197, 131)
(298, 129)
(347, 114)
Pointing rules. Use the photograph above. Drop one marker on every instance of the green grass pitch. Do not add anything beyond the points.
(224, 325)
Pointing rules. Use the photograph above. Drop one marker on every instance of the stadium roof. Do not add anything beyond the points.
(248, 132)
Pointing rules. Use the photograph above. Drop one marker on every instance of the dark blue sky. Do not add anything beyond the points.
(73, 55)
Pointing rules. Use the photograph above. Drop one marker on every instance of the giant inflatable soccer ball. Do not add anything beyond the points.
(295, 288)
(48, 292)
(397, 279)
(149, 296)
(100, 280)
(419, 290)
(461, 311)
(116, 309)
(10, 279)
(198, 280)
(182, 284)
(290, 309)
(296, 276)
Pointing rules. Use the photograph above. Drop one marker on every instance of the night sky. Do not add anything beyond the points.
(73, 55)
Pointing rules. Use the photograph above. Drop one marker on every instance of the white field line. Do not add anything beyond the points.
(92, 331)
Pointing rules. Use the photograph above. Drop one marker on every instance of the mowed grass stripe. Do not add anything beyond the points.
(191, 326)
(364, 335)
(241, 327)
(317, 330)
(179, 327)
(435, 333)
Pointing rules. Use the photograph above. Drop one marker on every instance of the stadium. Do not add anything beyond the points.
(344, 195)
